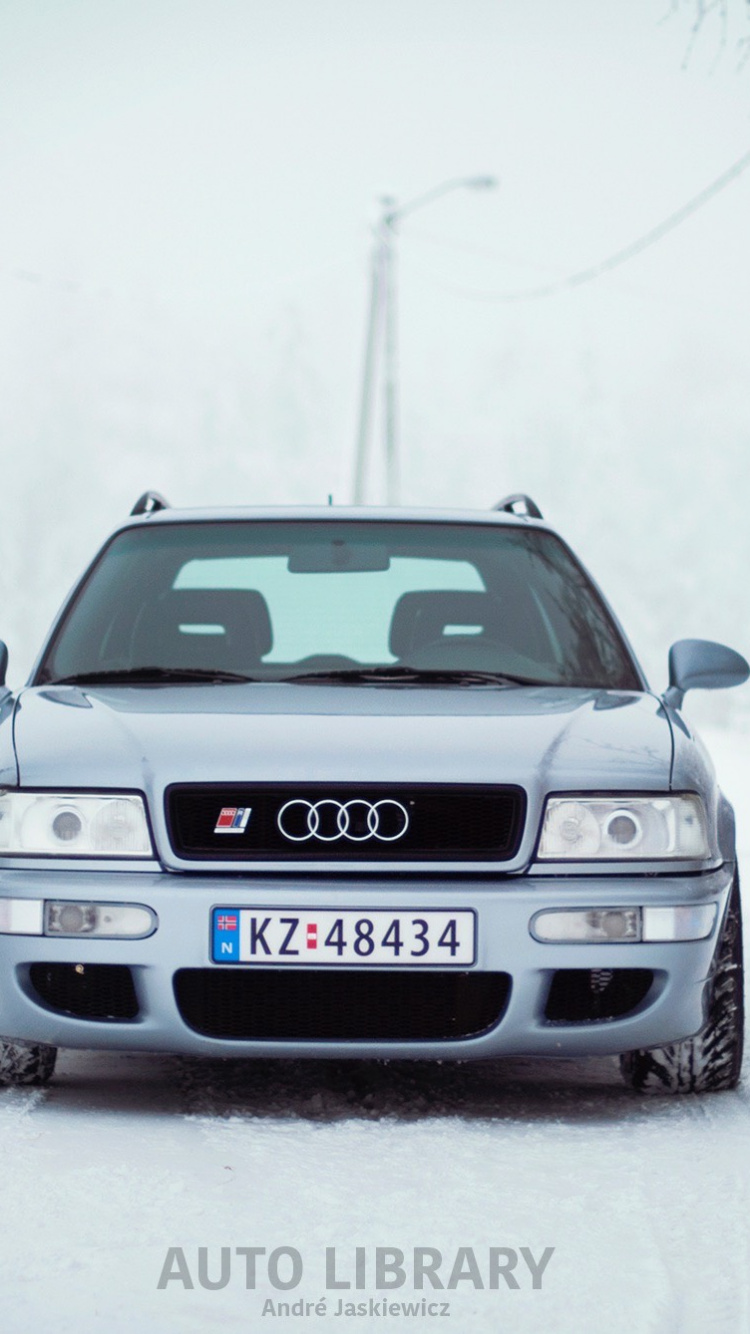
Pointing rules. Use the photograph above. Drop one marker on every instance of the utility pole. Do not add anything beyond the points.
(391, 362)
(374, 325)
(382, 327)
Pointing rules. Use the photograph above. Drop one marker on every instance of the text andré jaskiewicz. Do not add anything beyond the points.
(379, 1269)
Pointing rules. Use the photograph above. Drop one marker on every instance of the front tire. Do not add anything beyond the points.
(26, 1062)
(711, 1060)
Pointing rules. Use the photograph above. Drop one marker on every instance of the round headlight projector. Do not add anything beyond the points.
(624, 828)
(66, 826)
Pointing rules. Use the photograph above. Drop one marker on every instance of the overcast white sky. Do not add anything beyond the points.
(189, 187)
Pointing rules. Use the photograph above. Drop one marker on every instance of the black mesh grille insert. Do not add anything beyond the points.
(583, 995)
(353, 823)
(383, 1006)
(90, 991)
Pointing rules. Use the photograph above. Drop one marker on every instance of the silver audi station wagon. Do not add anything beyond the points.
(362, 783)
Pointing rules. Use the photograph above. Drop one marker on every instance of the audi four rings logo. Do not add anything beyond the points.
(356, 820)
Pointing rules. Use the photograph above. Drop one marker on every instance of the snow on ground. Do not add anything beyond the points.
(645, 1201)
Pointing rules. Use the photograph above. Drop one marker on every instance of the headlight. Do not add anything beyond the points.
(71, 824)
(619, 828)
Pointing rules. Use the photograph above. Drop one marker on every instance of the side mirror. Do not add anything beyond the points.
(3, 662)
(699, 664)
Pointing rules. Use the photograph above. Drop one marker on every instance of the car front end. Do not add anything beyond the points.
(418, 858)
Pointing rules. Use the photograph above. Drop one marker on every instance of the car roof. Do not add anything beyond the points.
(347, 513)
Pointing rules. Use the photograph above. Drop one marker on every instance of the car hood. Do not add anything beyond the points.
(544, 739)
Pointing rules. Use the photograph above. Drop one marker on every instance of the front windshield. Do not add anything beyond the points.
(274, 600)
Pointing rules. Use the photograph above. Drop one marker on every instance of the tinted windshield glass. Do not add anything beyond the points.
(272, 600)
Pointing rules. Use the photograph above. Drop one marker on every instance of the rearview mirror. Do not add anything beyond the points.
(339, 557)
(699, 664)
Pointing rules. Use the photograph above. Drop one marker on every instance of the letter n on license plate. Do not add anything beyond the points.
(354, 937)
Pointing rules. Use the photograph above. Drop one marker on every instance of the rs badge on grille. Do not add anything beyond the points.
(233, 819)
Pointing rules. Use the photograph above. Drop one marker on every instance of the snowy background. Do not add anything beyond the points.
(189, 194)
(189, 190)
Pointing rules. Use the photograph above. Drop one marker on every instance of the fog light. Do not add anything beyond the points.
(587, 924)
(72, 918)
(21, 917)
(130, 921)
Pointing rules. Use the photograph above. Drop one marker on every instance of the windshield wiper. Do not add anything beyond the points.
(381, 675)
(400, 675)
(148, 675)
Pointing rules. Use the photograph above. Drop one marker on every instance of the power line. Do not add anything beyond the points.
(620, 256)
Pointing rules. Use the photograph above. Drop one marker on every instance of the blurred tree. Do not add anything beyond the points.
(729, 19)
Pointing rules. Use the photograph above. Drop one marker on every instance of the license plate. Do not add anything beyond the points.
(358, 937)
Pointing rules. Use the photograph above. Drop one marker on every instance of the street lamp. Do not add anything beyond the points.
(381, 323)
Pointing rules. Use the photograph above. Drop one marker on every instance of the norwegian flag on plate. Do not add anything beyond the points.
(233, 819)
(226, 922)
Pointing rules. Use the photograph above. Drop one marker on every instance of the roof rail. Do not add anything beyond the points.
(149, 503)
(519, 504)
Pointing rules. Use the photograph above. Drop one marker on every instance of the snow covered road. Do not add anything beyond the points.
(646, 1201)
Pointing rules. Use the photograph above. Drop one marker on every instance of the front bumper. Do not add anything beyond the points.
(673, 1007)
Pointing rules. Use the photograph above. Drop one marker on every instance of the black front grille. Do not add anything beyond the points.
(583, 995)
(294, 1004)
(86, 991)
(381, 823)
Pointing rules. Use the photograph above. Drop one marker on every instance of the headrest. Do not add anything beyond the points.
(420, 618)
(242, 612)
